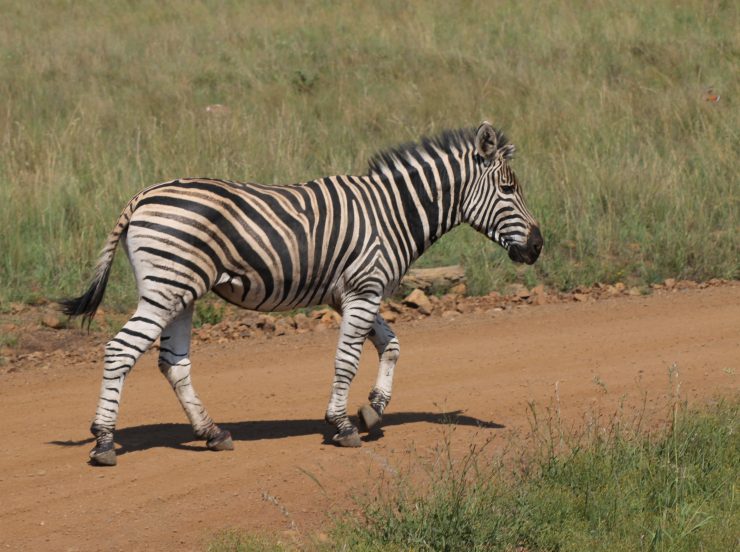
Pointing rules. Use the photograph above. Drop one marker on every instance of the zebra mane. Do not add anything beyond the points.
(461, 138)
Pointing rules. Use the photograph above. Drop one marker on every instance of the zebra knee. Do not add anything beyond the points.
(118, 361)
(392, 350)
(177, 373)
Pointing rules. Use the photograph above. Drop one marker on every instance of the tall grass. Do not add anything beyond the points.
(632, 174)
(608, 487)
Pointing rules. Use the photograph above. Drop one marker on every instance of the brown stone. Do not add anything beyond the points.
(319, 313)
(517, 290)
(580, 297)
(284, 327)
(418, 299)
(395, 307)
(459, 289)
(53, 321)
(331, 319)
(464, 307)
(302, 322)
(669, 283)
(266, 323)
(634, 292)
(450, 314)
(433, 280)
(389, 316)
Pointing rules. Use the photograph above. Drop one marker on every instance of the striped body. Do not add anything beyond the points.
(345, 241)
(265, 247)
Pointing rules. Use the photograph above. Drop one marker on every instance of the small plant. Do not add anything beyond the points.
(208, 312)
(235, 541)
(8, 340)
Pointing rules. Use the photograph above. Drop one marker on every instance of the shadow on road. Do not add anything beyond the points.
(180, 436)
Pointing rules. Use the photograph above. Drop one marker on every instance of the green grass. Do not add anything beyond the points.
(612, 487)
(632, 174)
(234, 541)
(608, 486)
(208, 312)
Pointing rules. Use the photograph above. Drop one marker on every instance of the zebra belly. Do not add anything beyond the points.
(245, 292)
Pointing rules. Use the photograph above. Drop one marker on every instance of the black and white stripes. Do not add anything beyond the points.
(345, 241)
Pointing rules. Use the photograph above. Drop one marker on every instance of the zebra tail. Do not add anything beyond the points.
(87, 304)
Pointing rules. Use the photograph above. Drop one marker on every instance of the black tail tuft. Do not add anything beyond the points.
(86, 304)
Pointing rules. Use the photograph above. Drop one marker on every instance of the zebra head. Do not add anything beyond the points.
(494, 205)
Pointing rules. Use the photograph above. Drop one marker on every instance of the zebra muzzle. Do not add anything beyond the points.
(530, 252)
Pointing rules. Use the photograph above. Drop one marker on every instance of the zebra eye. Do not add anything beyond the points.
(507, 188)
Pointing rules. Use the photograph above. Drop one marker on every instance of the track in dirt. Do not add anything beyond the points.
(169, 492)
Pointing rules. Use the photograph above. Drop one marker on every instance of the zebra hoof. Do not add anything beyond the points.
(222, 441)
(348, 438)
(369, 418)
(103, 457)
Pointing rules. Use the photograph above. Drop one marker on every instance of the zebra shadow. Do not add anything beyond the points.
(180, 436)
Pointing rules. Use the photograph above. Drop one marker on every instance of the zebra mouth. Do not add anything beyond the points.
(530, 252)
(520, 254)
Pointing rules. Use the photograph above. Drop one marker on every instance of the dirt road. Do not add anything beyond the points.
(168, 492)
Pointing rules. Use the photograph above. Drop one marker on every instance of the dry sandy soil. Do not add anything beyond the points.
(169, 492)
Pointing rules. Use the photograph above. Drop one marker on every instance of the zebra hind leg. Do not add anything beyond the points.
(386, 343)
(121, 353)
(174, 363)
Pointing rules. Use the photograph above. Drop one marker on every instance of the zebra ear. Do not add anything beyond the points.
(508, 151)
(486, 141)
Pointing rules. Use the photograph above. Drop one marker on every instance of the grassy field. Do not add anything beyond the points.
(611, 485)
(631, 171)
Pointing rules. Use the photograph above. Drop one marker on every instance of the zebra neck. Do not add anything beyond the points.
(425, 194)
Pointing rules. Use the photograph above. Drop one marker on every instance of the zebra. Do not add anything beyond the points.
(344, 241)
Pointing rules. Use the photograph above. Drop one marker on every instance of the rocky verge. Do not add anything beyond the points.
(39, 337)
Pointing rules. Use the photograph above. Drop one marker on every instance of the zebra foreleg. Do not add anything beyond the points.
(386, 343)
(358, 316)
(121, 353)
(174, 363)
